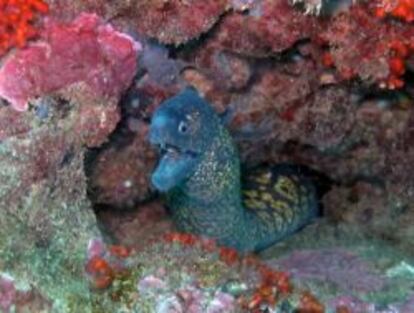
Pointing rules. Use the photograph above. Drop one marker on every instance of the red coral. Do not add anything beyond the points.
(104, 263)
(229, 255)
(17, 21)
(87, 50)
(101, 272)
(403, 9)
(399, 52)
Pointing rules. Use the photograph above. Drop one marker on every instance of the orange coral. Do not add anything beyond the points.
(17, 21)
(403, 9)
(229, 255)
(102, 270)
(183, 238)
(101, 273)
(399, 52)
(271, 277)
(309, 304)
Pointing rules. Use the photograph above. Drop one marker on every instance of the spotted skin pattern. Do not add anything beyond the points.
(212, 199)
(280, 196)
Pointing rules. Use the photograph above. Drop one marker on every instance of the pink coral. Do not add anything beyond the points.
(13, 299)
(96, 248)
(355, 305)
(151, 283)
(344, 269)
(222, 303)
(86, 50)
(8, 293)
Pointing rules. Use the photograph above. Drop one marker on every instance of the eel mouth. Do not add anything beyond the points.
(175, 165)
(174, 152)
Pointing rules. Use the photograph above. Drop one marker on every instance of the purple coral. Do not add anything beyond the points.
(96, 248)
(221, 303)
(150, 284)
(356, 305)
(338, 266)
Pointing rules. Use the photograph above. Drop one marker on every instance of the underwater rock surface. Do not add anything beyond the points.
(87, 50)
(295, 81)
(46, 217)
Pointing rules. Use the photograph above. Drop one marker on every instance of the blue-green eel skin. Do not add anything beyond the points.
(199, 171)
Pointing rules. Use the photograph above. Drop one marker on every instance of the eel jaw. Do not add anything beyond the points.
(174, 166)
(174, 151)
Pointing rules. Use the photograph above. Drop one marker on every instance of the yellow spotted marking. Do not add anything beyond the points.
(251, 193)
(287, 188)
(266, 197)
(283, 209)
(264, 178)
(255, 204)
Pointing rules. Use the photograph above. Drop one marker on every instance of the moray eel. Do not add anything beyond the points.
(199, 170)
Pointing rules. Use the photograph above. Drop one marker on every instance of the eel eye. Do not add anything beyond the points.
(183, 127)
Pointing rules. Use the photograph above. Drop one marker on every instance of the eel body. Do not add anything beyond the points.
(199, 170)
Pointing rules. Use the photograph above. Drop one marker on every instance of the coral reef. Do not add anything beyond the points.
(43, 188)
(209, 279)
(184, 20)
(170, 22)
(329, 90)
(184, 273)
(20, 298)
(47, 219)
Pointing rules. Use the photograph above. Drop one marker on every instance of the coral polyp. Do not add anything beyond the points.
(19, 21)
(402, 9)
